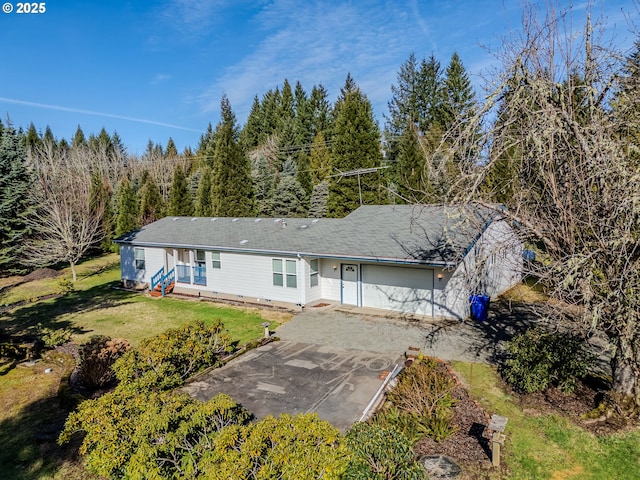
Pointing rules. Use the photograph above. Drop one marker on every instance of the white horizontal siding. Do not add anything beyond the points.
(249, 276)
(330, 280)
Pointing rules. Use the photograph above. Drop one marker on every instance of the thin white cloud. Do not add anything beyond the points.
(91, 112)
(160, 78)
(319, 43)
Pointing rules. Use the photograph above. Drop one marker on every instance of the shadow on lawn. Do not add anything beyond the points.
(26, 320)
(29, 449)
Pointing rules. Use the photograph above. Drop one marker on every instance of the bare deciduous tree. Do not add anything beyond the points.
(574, 193)
(66, 222)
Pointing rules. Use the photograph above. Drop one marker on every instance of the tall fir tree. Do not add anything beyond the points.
(356, 145)
(289, 198)
(231, 186)
(250, 135)
(180, 201)
(411, 178)
(150, 200)
(403, 106)
(203, 207)
(320, 162)
(459, 98)
(14, 199)
(78, 138)
(127, 216)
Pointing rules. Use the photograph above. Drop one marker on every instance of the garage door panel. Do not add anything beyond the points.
(397, 288)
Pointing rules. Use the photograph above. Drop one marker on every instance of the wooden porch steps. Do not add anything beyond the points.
(157, 292)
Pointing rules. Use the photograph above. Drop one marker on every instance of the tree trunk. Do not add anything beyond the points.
(625, 366)
(73, 271)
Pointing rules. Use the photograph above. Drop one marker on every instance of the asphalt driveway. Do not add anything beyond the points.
(291, 377)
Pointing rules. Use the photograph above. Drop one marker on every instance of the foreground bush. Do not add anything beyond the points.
(155, 435)
(422, 402)
(380, 454)
(167, 360)
(296, 447)
(538, 359)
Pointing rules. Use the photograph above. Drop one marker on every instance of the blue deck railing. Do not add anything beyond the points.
(183, 273)
(156, 278)
(199, 275)
(168, 279)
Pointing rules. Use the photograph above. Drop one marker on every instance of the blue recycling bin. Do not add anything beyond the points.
(479, 307)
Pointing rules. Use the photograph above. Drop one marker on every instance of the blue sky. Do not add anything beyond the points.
(157, 69)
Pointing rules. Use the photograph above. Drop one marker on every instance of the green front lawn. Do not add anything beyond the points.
(96, 308)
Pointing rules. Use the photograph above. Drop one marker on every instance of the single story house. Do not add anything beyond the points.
(417, 259)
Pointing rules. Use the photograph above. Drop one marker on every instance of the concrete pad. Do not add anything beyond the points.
(291, 377)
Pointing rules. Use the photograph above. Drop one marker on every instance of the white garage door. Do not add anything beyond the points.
(398, 288)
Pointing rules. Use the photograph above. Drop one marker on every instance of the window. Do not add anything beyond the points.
(313, 267)
(285, 270)
(277, 272)
(138, 254)
(215, 260)
(292, 281)
(200, 261)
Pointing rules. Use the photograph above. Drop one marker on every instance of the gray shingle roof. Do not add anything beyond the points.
(431, 234)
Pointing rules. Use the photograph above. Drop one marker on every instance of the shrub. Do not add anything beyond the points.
(65, 286)
(97, 357)
(167, 360)
(422, 401)
(296, 447)
(380, 453)
(537, 359)
(53, 337)
(136, 435)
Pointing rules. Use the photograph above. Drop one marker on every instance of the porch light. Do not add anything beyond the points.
(440, 276)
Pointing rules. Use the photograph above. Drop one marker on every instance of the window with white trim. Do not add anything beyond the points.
(313, 272)
(200, 261)
(284, 273)
(138, 254)
(215, 260)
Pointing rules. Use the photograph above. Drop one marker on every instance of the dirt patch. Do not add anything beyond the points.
(469, 446)
(41, 274)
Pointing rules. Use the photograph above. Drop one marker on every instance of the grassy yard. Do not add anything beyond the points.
(96, 308)
(545, 446)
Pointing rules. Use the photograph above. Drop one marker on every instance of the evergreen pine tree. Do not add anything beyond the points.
(203, 194)
(410, 178)
(289, 198)
(263, 185)
(151, 204)
(403, 106)
(356, 145)
(180, 202)
(79, 139)
(231, 187)
(320, 162)
(171, 151)
(14, 203)
(459, 98)
(318, 206)
(127, 216)
(430, 96)
(32, 139)
(250, 135)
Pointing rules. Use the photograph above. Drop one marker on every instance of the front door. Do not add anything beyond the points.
(349, 281)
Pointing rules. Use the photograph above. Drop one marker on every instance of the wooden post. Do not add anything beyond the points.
(497, 426)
